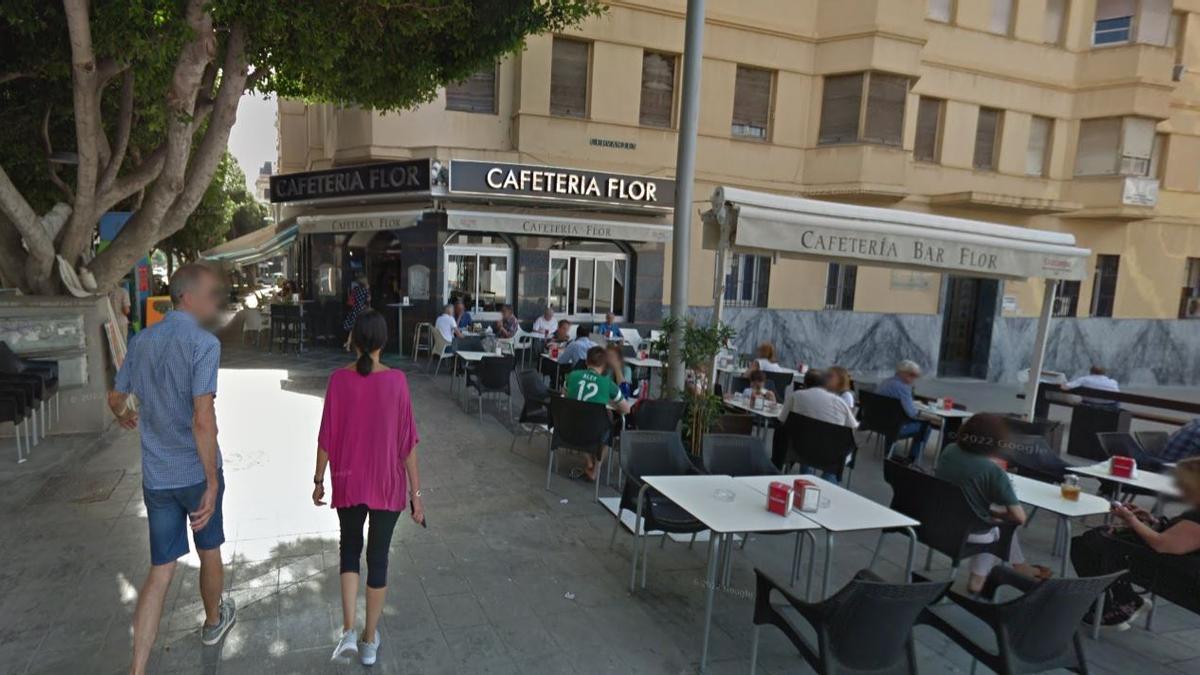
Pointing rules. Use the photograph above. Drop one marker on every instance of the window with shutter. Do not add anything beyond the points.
(1114, 22)
(1066, 301)
(1154, 22)
(929, 126)
(987, 136)
(841, 103)
(885, 109)
(747, 281)
(839, 286)
(1037, 153)
(1098, 146)
(476, 94)
(658, 90)
(1002, 17)
(939, 10)
(569, 77)
(1104, 284)
(1056, 20)
(1137, 146)
(752, 103)
(1158, 154)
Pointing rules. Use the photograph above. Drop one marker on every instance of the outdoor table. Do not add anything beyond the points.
(846, 512)
(1048, 497)
(1160, 484)
(400, 326)
(746, 512)
(950, 419)
(766, 414)
(557, 368)
(649, 364)
(469, 357)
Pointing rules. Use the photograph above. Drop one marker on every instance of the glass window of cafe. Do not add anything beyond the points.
(588, 279)
(479, 272)
(325, 253)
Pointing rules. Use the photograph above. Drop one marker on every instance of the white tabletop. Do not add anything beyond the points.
(1155, 482)
(740, 371)
(771, 411)
(644, 363)
(746, 513)
(847, 511)
(1049, 497)
(473, 356)
(930, 409)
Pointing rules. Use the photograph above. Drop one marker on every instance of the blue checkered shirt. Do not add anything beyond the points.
(168, 364)
(1183, 443)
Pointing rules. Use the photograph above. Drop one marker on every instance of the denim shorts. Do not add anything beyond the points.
(167, 512)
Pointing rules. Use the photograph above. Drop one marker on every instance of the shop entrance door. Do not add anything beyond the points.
(967, 326)
(383, 269)
(587, 286)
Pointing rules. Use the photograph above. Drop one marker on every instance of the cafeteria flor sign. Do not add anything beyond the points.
(527, 182)
(352, 181)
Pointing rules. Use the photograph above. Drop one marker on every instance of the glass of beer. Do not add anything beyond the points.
(1070, 488)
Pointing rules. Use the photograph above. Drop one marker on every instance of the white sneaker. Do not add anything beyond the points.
(346, 647)
(368, 651)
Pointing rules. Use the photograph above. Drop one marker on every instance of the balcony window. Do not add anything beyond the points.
(1189, 301)
(929, 129)
(569, 77)
(1104, 285)
(863, 108)
(658, 90)
(839, 286)
(1037, 153)
(1124, 21)
(1001, 20)
(748, 280)
(939, 10)
(752, 103)
(1110, 146)
(1066, 301)
(476, 94)
(1055, 22)
(987, 139)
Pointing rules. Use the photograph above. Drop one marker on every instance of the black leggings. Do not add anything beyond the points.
(1094, 553)
(379, 538)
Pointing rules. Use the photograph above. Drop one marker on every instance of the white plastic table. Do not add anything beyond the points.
(1048, 497)
(747, 512)
(846, 512)
(945, 417)
(400, 325)
(764, 414)
(645, 363)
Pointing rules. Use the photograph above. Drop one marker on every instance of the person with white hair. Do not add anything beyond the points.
(900, 387)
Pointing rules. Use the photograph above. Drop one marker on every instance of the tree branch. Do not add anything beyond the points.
(14, 75)
(124, 126)
(134, 181)
(85, 87)
(51, 167)
(27, 223)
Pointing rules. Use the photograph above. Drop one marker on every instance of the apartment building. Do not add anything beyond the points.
(1070, 115)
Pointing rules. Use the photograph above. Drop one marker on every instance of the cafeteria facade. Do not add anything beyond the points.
(548, 180)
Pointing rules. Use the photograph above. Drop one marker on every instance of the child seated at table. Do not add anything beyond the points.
(758, 387)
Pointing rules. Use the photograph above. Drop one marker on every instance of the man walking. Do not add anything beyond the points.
(171, 368)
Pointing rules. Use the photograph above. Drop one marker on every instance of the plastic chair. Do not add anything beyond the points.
(1035, 632)
(882, 415)
(492, 376)
(736, 455)
(652, 453)
(535, 406)
(659, 415)
(579, 426)
(866, 627)
(1171, 577)
(252, 322)
(1123, 444)
(1153, 442)
(731, 423)
(45, 370)
(780, 383)
(945, 516)
(441, 351)
(823, 446)
(13, 409)
(631, 336)
(29, 390)
(422, 339)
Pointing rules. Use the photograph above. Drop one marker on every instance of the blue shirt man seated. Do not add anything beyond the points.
(900, 387)
(1184, 443)
(578, 348)
(462, 315)
(609, 329)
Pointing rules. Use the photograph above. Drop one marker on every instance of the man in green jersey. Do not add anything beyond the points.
(591, 385)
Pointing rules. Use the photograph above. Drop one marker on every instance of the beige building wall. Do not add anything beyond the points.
(802, 42)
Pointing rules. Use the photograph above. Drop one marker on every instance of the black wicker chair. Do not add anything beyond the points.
(579, 426)
(535, 405)
(823, 446)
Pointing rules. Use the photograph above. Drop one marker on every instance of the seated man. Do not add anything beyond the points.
(1097, 378)
(1182, 444)
(562, 335)
(592, 385)
(462, 316)
(814, 401)
(609, 329)
(1099, 551)
(506, 325)
(971, 464)
(447, 326)
(545, 324)
(900, 387)
(578, 349)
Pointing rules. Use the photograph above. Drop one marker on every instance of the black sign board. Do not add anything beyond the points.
(352, 181)
(530, 182)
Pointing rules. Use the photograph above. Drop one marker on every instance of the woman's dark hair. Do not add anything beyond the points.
(758, 376)
(368, 335)
(982, 434)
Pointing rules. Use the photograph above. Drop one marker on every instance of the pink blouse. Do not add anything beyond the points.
(367, 429)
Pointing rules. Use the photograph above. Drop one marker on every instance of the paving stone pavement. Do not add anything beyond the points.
(508, 578)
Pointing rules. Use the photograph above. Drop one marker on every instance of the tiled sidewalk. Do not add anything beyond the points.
(507, 579)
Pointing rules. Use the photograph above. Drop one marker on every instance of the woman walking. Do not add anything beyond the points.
(369, 440)
(358, 302)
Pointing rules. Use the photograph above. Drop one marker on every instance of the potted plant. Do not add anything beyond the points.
(700, 345)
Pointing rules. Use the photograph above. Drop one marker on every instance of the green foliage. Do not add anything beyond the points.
(701, 344)
(210, 223)
(249, 215)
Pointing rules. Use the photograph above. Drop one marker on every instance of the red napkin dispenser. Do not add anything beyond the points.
(780, 498)
(1122, 467)
(807, 496)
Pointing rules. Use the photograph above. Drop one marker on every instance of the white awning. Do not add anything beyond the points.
(359, 222)
(549, 224)
(261, 244)
(764, 223)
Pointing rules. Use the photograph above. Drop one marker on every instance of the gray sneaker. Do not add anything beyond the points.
(369, 651)
(211, 635)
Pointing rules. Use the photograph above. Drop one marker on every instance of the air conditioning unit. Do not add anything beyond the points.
(1177, 72)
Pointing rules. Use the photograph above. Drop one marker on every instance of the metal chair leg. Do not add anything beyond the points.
(754, 650)
(878, 546)
(549, 467)
(612, 539)
(928, 558)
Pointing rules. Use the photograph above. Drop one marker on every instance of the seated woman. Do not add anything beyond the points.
(842, 384)
(618, 371)
(971, 463)
(758, 386)
(764, 359)
(1099, 551)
